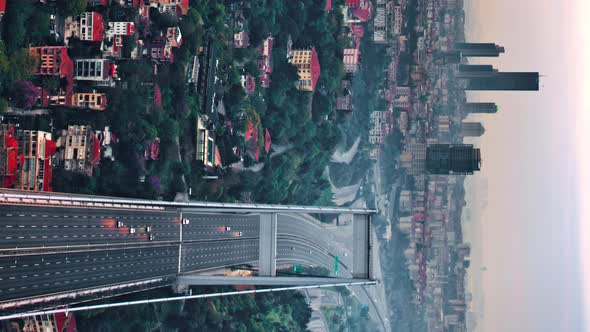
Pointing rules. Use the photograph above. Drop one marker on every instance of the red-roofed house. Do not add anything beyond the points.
(35, 169)
(174, 36)
(2, 7)
(8, 158)
(160, 48)
(308, 68)
(363, 12)
(52, 60)
(91, 26)
(353, 3)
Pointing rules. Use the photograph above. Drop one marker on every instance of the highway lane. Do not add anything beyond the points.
(299, 240)
(312, 236)
(40, 275)
(220, 253)
(23, 227)
(212, 226)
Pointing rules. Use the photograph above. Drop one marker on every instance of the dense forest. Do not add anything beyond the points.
(282, 311)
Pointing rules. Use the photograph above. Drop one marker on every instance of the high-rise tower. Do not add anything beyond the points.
(479, 49)
(476, 71)
(480, 108)
(452, 159)
(506, 81)
(472, 129)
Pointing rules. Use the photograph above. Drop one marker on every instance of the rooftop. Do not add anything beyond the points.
(315, 68)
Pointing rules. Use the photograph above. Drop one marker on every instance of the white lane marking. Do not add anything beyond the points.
(9, 214)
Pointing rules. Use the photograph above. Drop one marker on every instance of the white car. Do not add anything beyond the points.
(227, 228)
(131, 230)
(119, 224)
(151, 237)
(148, 229)
(185, 221)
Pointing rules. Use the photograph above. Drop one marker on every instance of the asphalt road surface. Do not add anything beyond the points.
(94, 251)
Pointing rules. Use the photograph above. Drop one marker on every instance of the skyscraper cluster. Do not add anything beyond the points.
(464, 158)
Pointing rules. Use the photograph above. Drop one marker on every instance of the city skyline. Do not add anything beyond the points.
(533, 235)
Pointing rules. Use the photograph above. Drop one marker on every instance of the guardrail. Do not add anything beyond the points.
(28, 198)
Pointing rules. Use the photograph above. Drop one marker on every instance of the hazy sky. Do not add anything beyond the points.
(534, 234)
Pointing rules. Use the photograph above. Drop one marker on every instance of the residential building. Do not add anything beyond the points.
(178, 7)
(91, 26)
(352, 60)
(380, 23)
(308, 68)
(75, 149)
(398, 20)
(115, 48)
(344, 98)
(193, 71)
(121, 29)
(241, 39)
(160, 48)
(353, 3)
(94, 70)
(35, 149)
(363, 12)
(205, 144)
(8, 158)
(59, 322)
(94, 101)
(379, 126)
(265, 62)
(413, 158)
(51, 60)
(402, 101)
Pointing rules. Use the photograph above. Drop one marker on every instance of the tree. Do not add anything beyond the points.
(51, 83)
(26, 94)
(72, 7)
